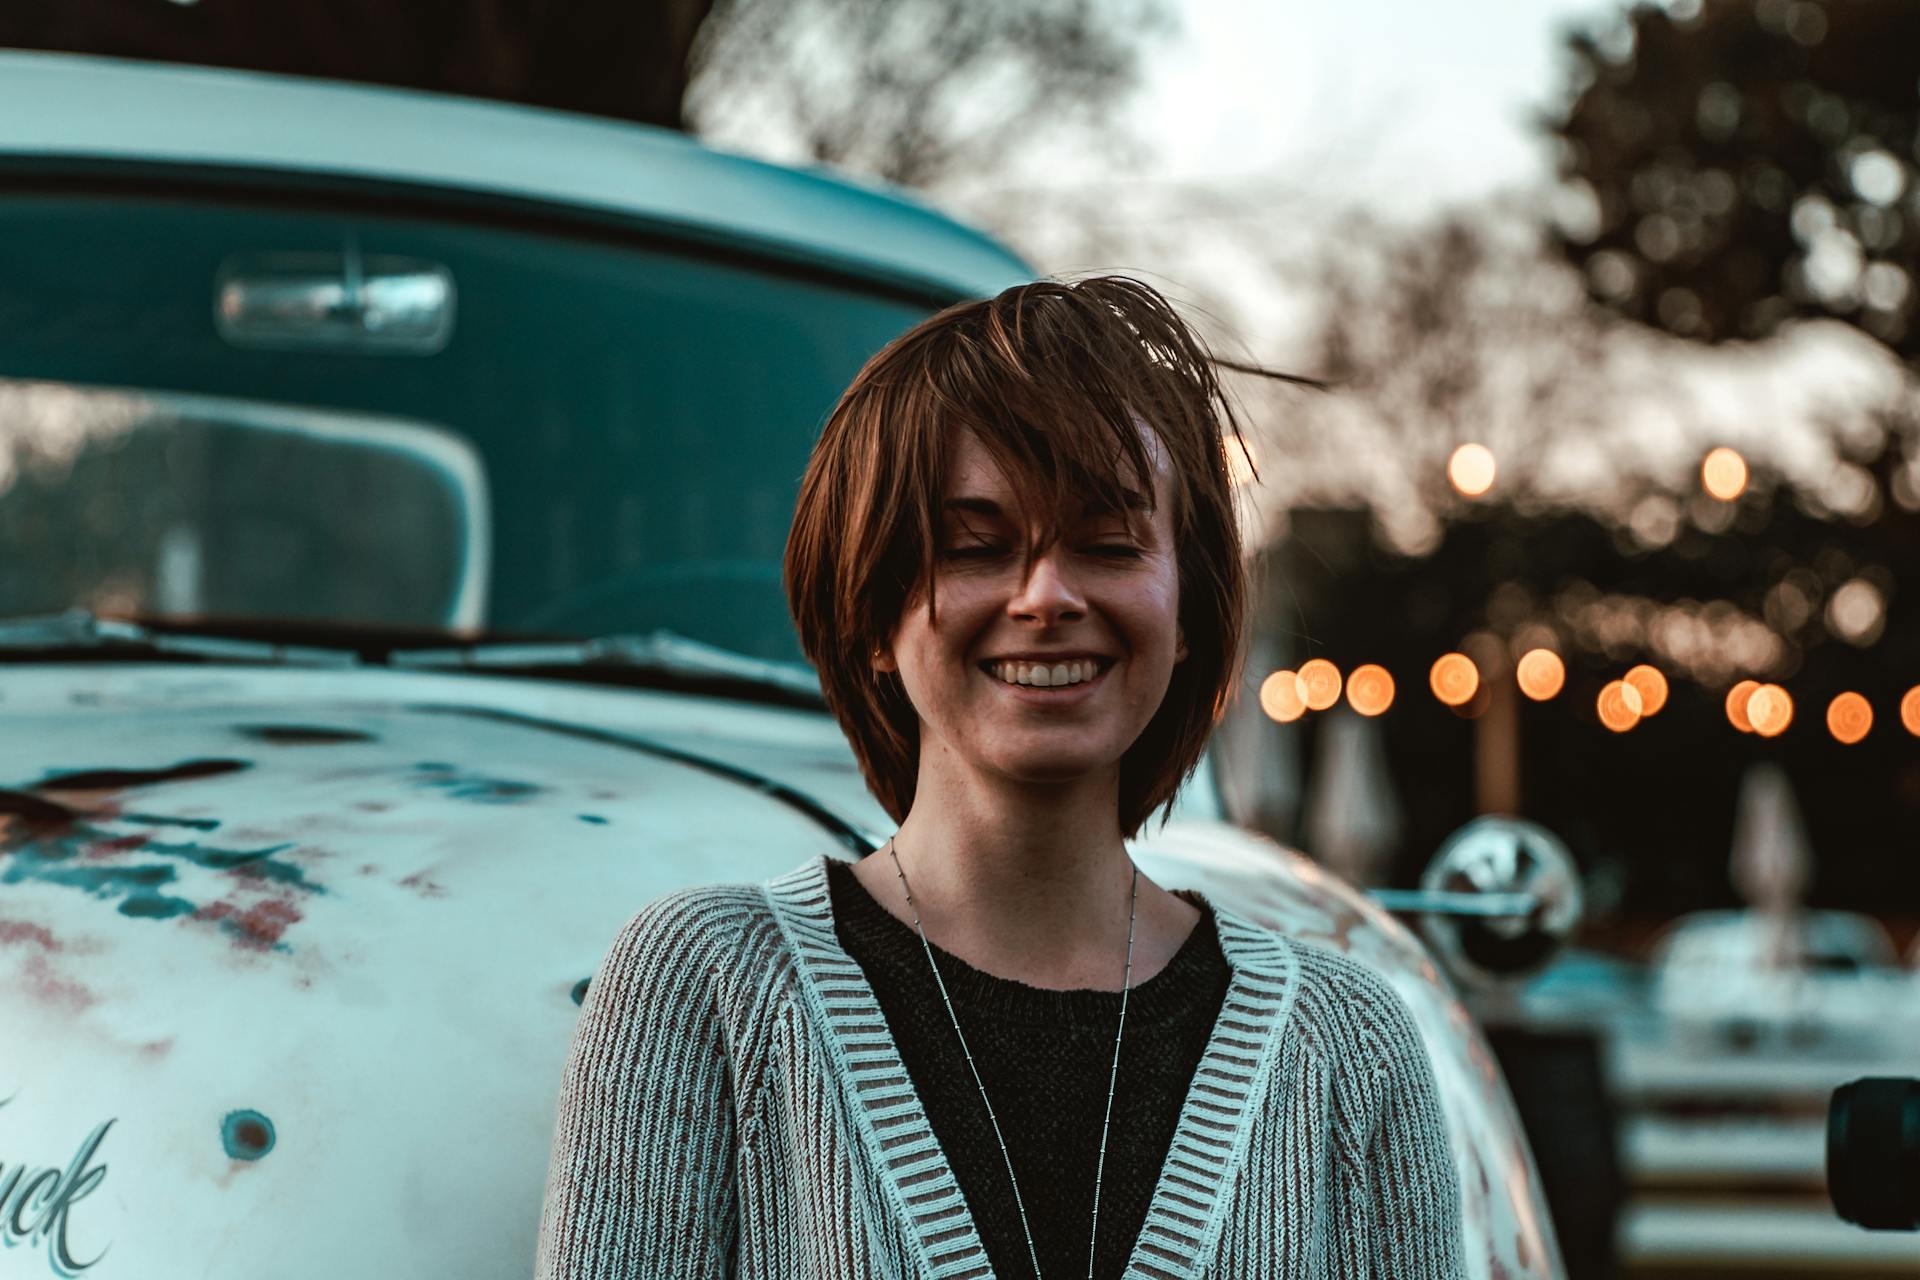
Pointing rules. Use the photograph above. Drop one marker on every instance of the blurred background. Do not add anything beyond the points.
(1609, 520)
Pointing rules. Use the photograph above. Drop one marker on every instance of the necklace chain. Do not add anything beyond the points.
(1113, 1076)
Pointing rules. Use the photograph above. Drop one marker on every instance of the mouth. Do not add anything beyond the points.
(1051, 693)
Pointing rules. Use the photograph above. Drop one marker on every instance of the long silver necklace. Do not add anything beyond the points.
(1126, 982)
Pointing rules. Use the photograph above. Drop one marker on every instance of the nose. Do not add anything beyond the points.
(1050, 594)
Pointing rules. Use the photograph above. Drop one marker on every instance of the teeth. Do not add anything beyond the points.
(1041, 676)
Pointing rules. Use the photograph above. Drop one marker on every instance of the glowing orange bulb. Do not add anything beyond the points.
(1619, 706)
(1541, 674)
(1651, 686)
(1849, 717)
(1319, 684)
(1472, 469)
(1370, 690)
(1454, 679)
(1910, 711)
(1737, 704)
(1724, 474)
(1280, 697)
(1770, 710)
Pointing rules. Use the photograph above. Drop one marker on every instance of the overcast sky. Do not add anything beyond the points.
(1438, 93)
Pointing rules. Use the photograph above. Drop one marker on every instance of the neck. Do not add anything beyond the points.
(1023, 880)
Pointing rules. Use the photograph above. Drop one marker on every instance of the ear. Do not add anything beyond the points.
(1180, 644)
(881, 660)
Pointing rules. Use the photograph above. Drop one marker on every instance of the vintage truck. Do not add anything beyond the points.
(392, 493)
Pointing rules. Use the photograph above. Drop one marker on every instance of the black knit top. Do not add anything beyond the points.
(1044, 1057)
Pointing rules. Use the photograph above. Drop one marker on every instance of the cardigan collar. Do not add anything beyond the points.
(1230, 1087)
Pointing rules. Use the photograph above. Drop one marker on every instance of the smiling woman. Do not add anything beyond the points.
(1015, 565)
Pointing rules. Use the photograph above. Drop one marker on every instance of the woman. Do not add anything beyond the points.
(992, 1047)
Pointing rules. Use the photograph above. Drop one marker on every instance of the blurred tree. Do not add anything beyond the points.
(912, 91)
(918, 91)
(1733, 164)
(627, 60)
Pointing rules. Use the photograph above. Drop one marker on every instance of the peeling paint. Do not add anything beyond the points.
(120, 779)
(593, 818)
(472, 786)
(301, 735)
(165, 820)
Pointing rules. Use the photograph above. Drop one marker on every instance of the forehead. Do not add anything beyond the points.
(972, 471)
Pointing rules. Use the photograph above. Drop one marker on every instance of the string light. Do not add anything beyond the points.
(1619, 706)
(1370, 689)
(1724, 474)
(1770, 710)
(1849, 717)
(1454, 679)
(1319, 684)
(1650, 685)
(1280, 697)
(1472, 469)
(1541, 674)
(1737, 704)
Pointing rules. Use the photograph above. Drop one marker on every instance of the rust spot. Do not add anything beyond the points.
(301, 735)
(257, 927)
(157, 1048)
(373, 806)
(52, 989)
(369, 868)
(26, 931)
(116, 779)
(115, 846)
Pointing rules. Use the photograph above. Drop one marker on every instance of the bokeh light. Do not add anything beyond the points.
(1910, 711)
(1319, 684)
(1770, 710)
(1737, 704)
(1619, 706)
(1454, 679)
(1370, 689)
(1724, 474)
(1280, 697)
(1849, 717)
(1471, 469)
(1650, 685)
(1541, 674)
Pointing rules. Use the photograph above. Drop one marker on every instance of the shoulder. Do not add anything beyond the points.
(1349, 1012)
(687, 937)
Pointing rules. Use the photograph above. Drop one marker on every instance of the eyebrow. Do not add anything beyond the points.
(988, 507)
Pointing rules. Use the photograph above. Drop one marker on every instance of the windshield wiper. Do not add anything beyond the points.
(80, 629)
(666, 652)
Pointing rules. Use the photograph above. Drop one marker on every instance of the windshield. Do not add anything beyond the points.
(551, 435)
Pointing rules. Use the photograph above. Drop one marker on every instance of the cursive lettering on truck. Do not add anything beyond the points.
(34, 1201)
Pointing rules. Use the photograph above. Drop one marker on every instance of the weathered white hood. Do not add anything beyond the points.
(293, 956)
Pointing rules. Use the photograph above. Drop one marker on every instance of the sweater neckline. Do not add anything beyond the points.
(1229, 1088)
(1164, 996)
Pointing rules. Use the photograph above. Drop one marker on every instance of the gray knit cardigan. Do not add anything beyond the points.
(733, 1105)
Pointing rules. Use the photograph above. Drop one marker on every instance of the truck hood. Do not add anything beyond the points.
(268, 934)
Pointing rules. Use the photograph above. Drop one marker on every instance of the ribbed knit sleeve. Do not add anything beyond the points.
(641, 1179)
(1396, 1193)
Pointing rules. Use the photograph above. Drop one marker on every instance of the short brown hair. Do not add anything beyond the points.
(1054, 379)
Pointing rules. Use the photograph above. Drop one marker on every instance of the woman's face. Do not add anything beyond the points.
(1101, 598)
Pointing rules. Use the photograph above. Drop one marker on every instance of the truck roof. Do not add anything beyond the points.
(66, 111)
